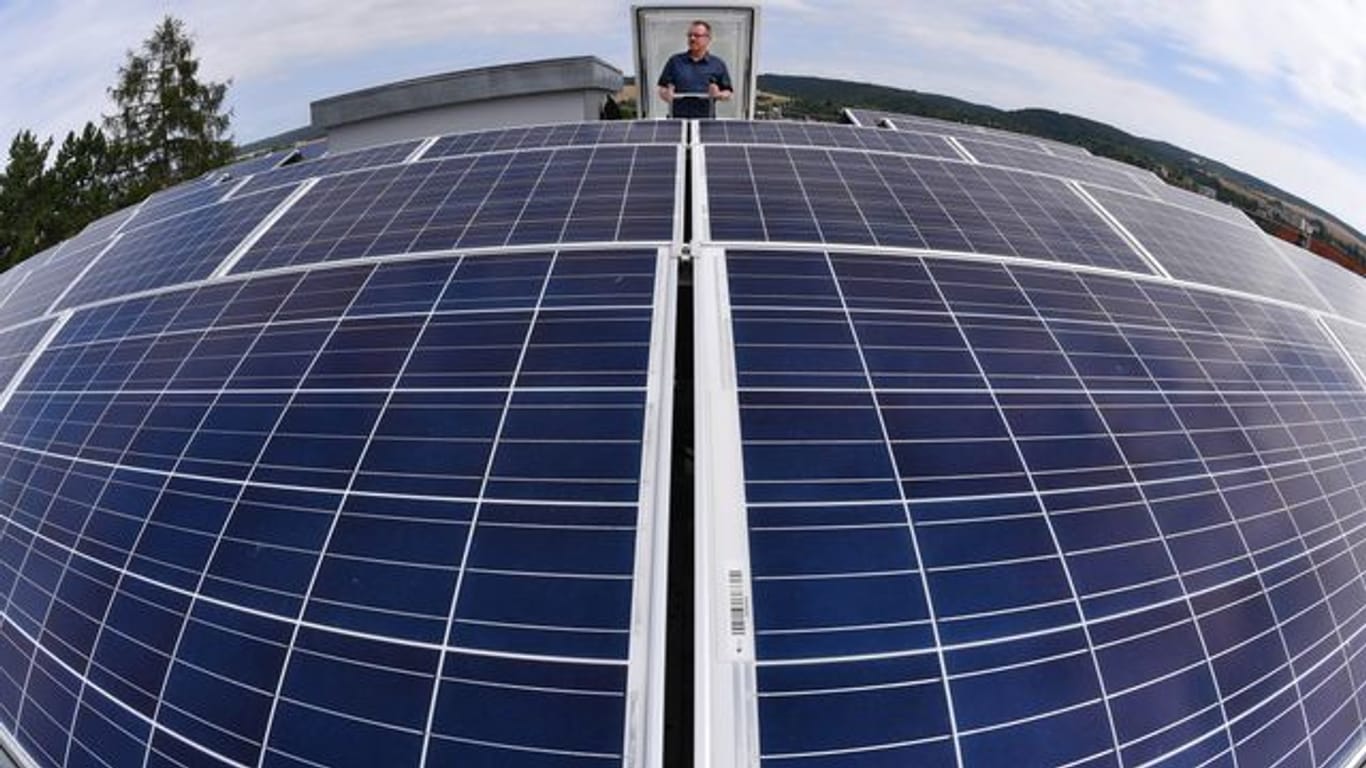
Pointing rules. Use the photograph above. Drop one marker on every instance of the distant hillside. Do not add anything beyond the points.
(822, 99)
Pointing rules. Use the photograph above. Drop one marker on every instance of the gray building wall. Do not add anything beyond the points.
(530, 93)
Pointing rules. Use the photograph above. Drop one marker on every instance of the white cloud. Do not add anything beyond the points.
(1315, 49)
(62, 55)
(972, 55)
(261, 36)
(1092, 58)
(1203, 74)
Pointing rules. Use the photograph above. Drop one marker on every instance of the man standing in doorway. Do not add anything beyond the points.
(695, 71)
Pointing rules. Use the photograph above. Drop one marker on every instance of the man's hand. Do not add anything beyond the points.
(666, 93)
(715, 92)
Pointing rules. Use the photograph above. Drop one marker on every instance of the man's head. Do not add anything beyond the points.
(699, 38)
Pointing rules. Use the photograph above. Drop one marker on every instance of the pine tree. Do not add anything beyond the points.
(25, 199)
(82, 182)
(169, 126)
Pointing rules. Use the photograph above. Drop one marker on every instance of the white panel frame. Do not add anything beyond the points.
(726, 724)
(645, 676)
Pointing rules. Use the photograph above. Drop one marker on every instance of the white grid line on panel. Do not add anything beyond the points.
(1147, 505)
(1029, 474)
(154, 726)
(125, 571)
(1279, 621)
(420, 150)
(57, 302)
(1257, 572)
(341, 503)
(962, 150)
(904, 252)
(236, 254)
(235, 188)
(1120, 229)
(921, 567)
(31, 359)
(227, 517)
(166, 474)
(370, 260)
(19, 282)
(474, 517)
(64, 317)
(1315, 568)
(1340, 348)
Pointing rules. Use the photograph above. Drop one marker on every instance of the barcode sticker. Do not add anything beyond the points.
(739, 608)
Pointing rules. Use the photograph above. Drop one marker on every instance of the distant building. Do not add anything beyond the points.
(528, 93)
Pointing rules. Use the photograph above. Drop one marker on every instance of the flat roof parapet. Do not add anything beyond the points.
(574, 73)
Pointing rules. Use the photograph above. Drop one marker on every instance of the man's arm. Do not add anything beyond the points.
(719, 86)
(666, 82)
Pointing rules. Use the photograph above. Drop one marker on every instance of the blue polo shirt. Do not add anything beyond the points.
(688, 76)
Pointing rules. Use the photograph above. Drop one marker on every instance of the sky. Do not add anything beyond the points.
(1274, 89)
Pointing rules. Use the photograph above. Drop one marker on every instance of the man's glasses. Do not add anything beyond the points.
(692, 35)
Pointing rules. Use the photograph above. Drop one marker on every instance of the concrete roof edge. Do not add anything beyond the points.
(572, 73)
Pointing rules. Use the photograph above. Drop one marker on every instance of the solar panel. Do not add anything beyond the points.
(1353, 339)
(387, 154)
(902, 122)
(1088, 170)
(175, 202)
(604, 193)
(1009, 515)
(365, 464)
(839, 196)
(1205, 249)
(254, 165)
(33, 286)
(313, 149)
(174, 250)
(559, 135)
(15, 345)
(1342, 289)
(403, 504)
(1187, 199)
(824, 135)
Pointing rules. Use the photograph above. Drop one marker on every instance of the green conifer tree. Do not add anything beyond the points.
(169, 126)
(82, 182)
(25, 199)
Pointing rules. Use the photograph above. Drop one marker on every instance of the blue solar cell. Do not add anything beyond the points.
(178, 200)
(380, 449)
(320, 512)
(561, 135)
(1209, 249)
(289, 175)
(1095, 559)
(930, 125)
(607, 193)
(790, 195)
(825, 135)
(31, 288)
(16, 345)
(1342, 289)
(172, 251)
(1071, 166)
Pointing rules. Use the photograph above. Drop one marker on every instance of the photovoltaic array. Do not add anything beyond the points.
(1004, 505)
(1012, 511)
(1005, 456)
(362, 509)
(781, 194)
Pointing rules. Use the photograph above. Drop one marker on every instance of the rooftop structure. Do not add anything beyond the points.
(950, 447)
(528, 93)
